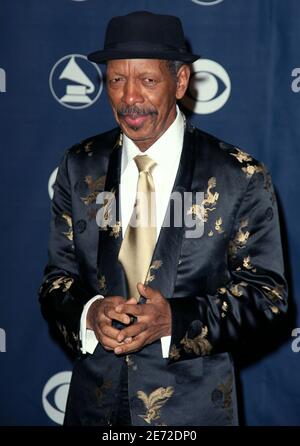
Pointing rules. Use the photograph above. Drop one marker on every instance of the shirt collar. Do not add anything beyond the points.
(164, 150)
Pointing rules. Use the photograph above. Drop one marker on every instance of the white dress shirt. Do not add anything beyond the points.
(166, 152)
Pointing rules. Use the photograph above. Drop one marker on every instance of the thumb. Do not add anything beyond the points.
(145, 291)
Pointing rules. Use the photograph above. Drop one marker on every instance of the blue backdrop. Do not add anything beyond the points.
(245, 90)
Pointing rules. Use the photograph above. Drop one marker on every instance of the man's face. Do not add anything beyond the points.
(143, 95)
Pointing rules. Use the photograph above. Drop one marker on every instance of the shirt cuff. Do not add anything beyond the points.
(88, 339)
(165, 346)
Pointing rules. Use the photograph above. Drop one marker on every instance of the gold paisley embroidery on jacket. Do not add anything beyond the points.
(241, 156)
(236, 290)
(218, 225)
(86, 146)
(64, 282)
(102, 282)
(200, 211)
(251, 169)
(68, 219)
(95, 187)
(224, 309)
(154, 266)
(116, 230)
(198, 345)
(274, 309)
(226, 389)
(247, 264)
(196, 211)
(130, 362)
(275, 294)
(211, 199)
(100, 390)
(108, 215)
(75, 336)
(240, 239)
(63, 330)
(154, 402)
(119, 141)
(174, 352)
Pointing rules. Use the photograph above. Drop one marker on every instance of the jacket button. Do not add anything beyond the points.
(80, 226)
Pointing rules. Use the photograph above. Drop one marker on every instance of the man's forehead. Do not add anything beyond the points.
(135, 62)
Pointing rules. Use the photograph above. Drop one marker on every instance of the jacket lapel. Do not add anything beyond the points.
(111, 278)
(163, 269)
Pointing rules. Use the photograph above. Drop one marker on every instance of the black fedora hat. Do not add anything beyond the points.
(144, 35)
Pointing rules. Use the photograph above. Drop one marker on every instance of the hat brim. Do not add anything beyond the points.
(106, 55)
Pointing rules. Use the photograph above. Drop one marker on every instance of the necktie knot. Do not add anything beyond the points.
(144, 163)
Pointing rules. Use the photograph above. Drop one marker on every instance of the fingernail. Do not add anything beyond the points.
(118, 350)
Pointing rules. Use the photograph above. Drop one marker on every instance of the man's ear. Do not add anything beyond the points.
(183, 76)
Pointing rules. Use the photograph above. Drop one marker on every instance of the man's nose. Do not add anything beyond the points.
(132, 93)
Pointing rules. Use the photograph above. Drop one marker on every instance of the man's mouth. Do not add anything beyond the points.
(134, 120)
(135, 116)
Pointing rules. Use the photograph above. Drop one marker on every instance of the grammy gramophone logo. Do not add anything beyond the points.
(75, 82)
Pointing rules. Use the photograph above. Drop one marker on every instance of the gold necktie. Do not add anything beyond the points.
(140, 237)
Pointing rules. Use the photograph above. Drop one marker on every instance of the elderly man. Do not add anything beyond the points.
(155, 309)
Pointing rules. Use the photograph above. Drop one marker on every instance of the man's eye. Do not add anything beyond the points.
(149, 81)
(116, 80)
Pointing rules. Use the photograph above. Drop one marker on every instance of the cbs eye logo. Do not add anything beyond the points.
(207, 2)
(209, 87)
(54, 396)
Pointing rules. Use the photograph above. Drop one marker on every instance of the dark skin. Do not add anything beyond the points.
(143, 95)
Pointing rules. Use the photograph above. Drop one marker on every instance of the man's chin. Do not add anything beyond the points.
(135, 132)
(141, 139)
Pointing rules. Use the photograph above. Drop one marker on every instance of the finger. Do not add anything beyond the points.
(109, 331)
(132, 331)
(133, 309)
(108, 343)
(121, 317)
(135, 345)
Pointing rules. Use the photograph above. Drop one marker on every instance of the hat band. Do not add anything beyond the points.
(142, 46)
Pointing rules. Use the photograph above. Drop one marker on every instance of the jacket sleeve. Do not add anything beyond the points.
(255, 294)
(63, 294)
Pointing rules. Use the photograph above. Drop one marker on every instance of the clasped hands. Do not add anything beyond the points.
(153, 320)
